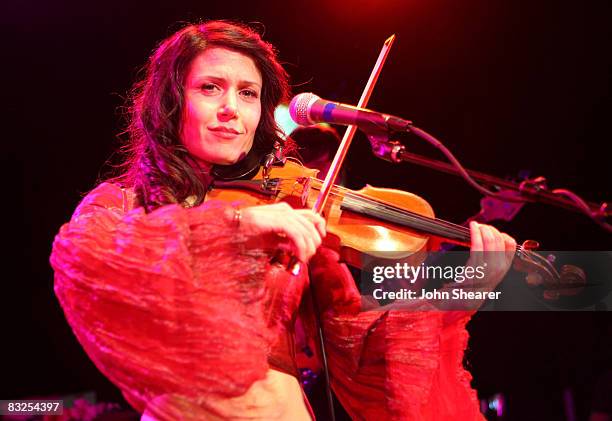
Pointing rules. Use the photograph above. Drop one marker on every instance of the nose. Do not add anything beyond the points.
(228, 108)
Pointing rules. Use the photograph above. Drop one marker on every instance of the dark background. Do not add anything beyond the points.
(508, 86)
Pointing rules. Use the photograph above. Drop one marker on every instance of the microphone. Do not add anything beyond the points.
(307, 108)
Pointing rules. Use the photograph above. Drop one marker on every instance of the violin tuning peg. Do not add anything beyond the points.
(530, 245)
(573, 280)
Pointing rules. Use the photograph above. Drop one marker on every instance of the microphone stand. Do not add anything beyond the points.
(530, 190)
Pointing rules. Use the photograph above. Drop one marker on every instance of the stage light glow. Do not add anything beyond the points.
(283, 119)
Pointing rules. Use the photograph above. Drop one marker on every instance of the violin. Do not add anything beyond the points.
(377, 222)
(381, 222)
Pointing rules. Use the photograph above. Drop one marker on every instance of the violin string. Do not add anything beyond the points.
(357, 201)
(404, 218)
(414, 220)
(405, 215)
(392, 208)
(400, 216)
(357, 197)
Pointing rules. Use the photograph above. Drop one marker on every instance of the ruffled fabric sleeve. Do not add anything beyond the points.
(144, 297)
(394, 364)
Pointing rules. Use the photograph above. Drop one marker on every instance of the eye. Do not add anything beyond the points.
(249, 93)
(209, 87)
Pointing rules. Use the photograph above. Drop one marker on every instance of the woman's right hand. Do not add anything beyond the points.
(303, 227)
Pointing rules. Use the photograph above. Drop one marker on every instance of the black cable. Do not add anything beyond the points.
(330, 398)
(578, 201)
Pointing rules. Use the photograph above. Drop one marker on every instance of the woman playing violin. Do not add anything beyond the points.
(174, 297)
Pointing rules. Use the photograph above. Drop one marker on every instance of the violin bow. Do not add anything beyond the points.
(330, 179)
(334, 169)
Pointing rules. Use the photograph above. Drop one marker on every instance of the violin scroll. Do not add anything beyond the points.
(570, 280)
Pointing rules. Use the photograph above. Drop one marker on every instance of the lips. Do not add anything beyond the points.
(223, 129)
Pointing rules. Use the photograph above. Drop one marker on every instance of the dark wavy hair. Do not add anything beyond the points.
(157, 165)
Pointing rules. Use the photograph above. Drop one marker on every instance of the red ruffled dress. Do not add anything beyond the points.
(179, 301)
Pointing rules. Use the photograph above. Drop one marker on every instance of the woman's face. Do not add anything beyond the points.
(222, 106)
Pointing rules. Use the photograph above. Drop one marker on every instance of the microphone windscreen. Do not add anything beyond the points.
(298, 108)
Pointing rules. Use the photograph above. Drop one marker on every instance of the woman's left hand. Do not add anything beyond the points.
(493, 249)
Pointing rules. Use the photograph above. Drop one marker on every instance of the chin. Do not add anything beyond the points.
(227, 160)
(225, 157)
(234, 159)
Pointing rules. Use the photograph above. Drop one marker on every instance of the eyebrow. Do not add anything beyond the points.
(222, 79)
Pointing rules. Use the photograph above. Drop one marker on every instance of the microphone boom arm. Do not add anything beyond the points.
(530, 190)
